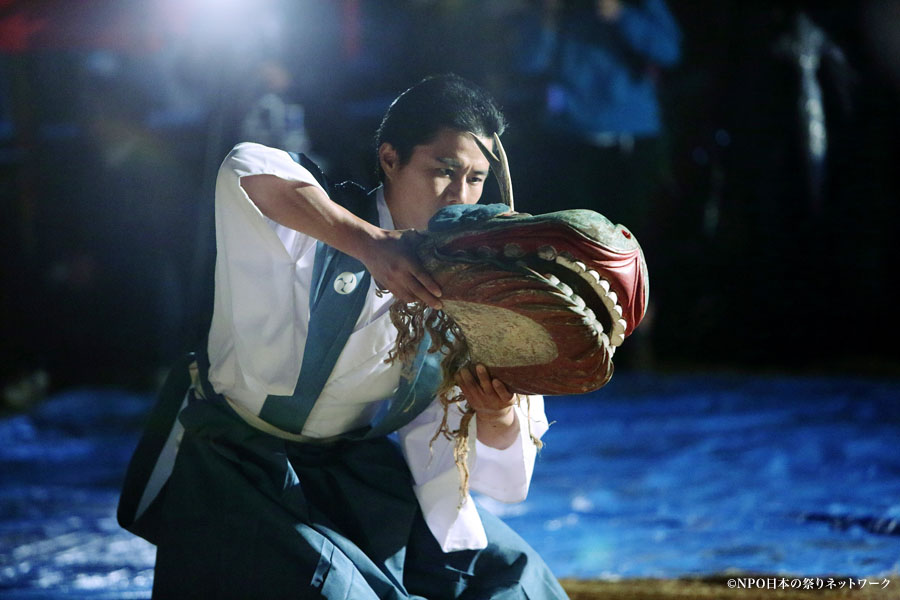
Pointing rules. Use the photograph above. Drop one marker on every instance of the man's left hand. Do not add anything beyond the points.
(493, 405)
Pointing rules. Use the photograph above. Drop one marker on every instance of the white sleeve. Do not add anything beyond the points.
(502, 474)
(259, 323)
(505, 475)
(255, 159)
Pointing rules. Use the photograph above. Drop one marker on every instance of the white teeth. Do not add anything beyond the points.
(592, 319)
(547, 252)
(600, 285)
(617, 335)
(513, 251)
(591, 276)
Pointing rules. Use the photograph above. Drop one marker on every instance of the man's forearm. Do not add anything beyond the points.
(308, 209)
(497, 430)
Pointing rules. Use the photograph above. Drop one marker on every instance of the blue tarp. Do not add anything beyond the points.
(655, 475)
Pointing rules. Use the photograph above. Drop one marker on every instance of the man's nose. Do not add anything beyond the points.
(458, 191)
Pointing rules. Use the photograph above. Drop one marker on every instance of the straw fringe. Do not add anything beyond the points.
(413, 321)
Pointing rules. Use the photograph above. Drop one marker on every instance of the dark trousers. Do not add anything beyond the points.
(248, 515)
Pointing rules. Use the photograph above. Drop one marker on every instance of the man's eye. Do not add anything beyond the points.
(446, 172)
(476, 179)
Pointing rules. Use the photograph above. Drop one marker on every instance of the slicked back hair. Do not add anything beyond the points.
(417, 115)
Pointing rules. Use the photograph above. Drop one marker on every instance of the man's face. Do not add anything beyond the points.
(448, 170)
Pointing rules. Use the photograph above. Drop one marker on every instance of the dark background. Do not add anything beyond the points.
(114, 117)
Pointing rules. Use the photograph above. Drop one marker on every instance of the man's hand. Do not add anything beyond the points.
(493, 406)
(395, 268)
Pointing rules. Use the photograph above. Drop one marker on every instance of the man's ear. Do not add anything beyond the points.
(389, 159)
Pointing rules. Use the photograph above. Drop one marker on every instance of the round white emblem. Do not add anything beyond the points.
(345, 283)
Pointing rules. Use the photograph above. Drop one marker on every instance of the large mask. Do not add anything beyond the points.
(543, 301)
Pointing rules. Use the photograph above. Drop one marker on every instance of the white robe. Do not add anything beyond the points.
(256, 341)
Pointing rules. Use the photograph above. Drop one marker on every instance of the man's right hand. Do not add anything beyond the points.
(394, 266)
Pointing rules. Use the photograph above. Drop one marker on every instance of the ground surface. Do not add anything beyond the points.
(650, 489)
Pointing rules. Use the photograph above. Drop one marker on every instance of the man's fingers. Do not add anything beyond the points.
(408, 290)
(422, 293)
(428, 282)
(465, 380)
(423, 277)
(427, 288)
(484, 379)
(501, 390)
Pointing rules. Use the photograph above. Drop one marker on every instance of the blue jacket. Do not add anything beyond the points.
(602, 76)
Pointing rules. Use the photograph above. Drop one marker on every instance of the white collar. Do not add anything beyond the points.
(385, 220)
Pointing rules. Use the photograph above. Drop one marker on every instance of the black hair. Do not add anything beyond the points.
(417, 115)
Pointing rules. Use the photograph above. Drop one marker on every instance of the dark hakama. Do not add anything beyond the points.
(249, 515)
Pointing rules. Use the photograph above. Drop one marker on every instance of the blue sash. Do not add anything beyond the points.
(332, 317)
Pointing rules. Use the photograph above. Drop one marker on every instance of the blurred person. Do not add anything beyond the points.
(600, 62)
(272, 120)
(279, 478)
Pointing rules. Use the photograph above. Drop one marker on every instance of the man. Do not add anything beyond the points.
(273, 494)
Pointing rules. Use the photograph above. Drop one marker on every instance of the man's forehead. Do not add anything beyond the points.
(481, 165)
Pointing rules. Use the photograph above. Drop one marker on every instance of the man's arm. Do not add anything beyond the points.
(308, 209)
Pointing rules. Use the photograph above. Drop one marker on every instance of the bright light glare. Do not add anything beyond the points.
(216, 22)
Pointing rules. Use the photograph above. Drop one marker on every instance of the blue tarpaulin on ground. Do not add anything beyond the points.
(653, 476)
